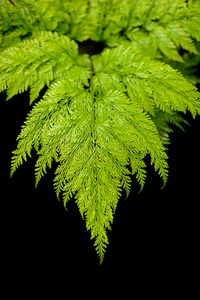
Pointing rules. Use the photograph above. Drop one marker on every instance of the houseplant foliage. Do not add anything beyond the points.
(109, 95)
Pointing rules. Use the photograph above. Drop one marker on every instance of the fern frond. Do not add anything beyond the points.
(189, 68)
(149, 83)
(101, 114)
(163, 119)
(150, 26)
(39, 122)
(66, 17)
(37, 62)
(96, 132)
(17, 19)
(18, 12)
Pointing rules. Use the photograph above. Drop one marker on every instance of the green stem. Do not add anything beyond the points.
(92, 102)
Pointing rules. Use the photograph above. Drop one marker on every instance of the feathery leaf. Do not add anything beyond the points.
(101, 114)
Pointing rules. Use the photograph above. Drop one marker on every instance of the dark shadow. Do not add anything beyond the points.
(91, 47)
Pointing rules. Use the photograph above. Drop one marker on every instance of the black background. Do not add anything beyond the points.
(154, 233)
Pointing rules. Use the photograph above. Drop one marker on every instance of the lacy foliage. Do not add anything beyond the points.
(101, 114)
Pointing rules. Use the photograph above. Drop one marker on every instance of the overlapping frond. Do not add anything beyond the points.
(156, 28)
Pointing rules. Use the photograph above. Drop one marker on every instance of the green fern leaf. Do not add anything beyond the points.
(94, 133)
(101, 114)
(38, 62)
(165, 26)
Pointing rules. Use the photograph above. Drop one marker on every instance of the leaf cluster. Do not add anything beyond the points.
(102, 114)
(157, 28)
